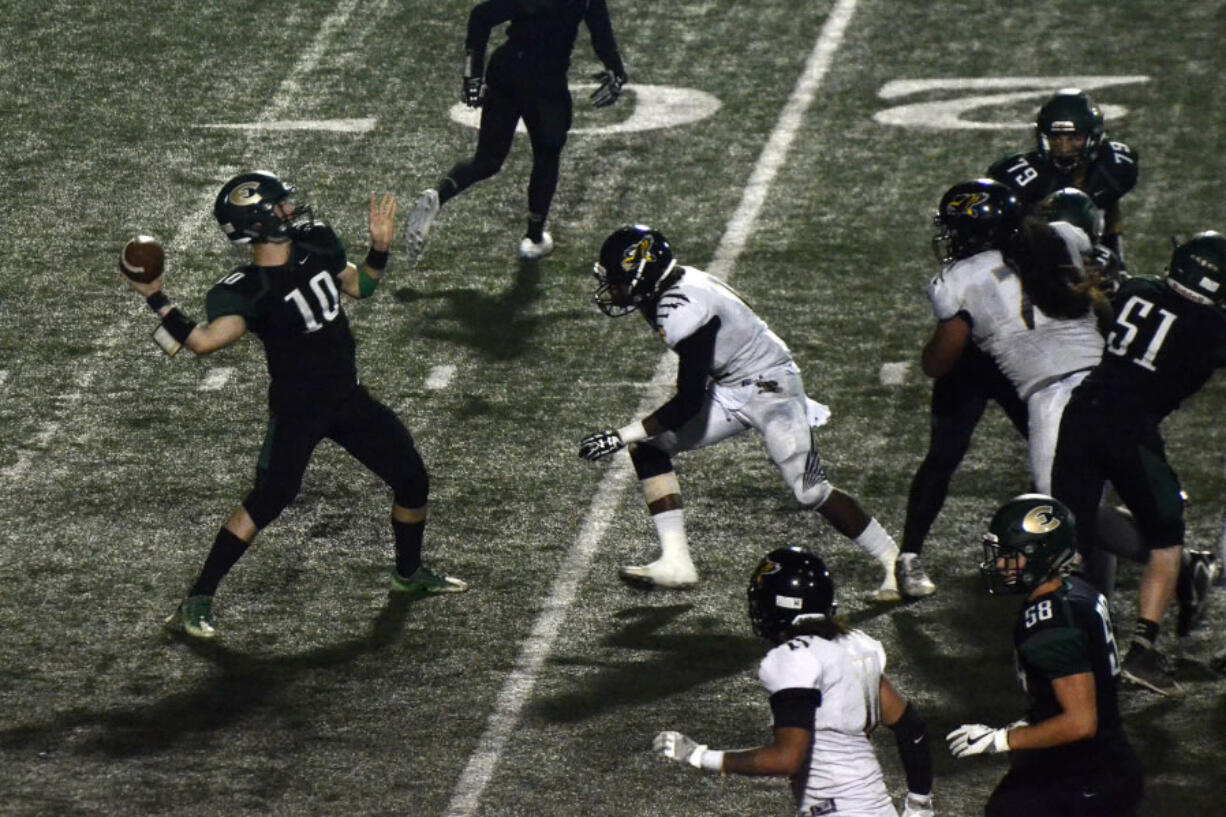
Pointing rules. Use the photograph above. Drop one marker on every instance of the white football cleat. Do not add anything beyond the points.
(419, 223)
(887, 593)
(912, 581)
(670, 575)
(530, 250)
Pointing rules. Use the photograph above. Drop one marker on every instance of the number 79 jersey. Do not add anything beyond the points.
(296, 311)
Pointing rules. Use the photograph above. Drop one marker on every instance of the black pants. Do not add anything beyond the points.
(958, 401)
(1103, 439)
(1030, 793)
(519, 89)
(363, 426)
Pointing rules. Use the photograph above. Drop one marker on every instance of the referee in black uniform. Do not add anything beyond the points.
(525, 79)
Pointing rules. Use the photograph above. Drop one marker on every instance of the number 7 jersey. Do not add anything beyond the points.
(296, 311)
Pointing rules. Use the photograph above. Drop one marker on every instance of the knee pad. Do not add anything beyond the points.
(413, 491)
(649, 461)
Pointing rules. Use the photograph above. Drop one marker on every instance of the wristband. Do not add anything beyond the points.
(712, 760)
(376, 259)
(157, 300)
(366, 284)
(177, 325)
(633, 433)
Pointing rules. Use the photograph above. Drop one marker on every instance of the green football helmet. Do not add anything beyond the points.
(1069, 111)
(1198, 267)
(1032, 538)
(1077, 208)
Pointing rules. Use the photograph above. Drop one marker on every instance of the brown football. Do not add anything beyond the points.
(142, 259)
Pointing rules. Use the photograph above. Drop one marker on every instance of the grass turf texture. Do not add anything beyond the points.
(325, 695)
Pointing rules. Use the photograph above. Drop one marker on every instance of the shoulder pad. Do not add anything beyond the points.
(318, 238)
(1117, 165)
(240, 279)
(996, 170)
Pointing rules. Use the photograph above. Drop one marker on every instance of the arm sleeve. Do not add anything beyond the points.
(481, 21)
(695, 354)
(603, 42)
(795, 707)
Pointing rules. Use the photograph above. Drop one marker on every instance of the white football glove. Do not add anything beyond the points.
(917, 805)
(601, 444)
(977, 739)
(678, 747)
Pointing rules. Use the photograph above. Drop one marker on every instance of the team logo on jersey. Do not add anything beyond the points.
(245, 194)
(965, 204)
(638, 254)
(765, 569)
(1041, 519)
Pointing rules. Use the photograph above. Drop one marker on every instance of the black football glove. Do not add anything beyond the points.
(602, 444)
(473, 91)
(610, 87)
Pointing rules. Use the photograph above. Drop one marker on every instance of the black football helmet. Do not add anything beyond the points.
(1198, 267)
(1070, 111)
(1077, 208)
(974, 216)
(246, 209)
(788, 585)
(1032, 538)
(634, 261)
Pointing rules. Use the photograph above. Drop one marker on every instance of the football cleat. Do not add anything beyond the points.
(193, 616)
(426, 582)
(420, 219)
(913, 582)
(1197, 574)
(674, 575)
(530, 250)
(1146, 667)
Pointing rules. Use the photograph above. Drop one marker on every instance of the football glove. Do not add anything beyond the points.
(977, 739)
(610, 87)
(678, 747)
(917, 805)
(602, 444)
(473, 91)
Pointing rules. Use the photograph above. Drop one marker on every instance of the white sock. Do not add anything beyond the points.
(670, 527)
(879, 544)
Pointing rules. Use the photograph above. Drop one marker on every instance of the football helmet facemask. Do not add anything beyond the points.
(1198, 268)
(974, 216)
(1069, 112)
(634, 261)
(788, 586)
(1077, 208)
(246, 209)
(1032, 538)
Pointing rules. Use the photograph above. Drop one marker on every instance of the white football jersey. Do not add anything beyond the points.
(1031, 348)
(847, 672)
(744, 345)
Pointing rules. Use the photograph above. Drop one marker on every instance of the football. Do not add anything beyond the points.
(142, 259)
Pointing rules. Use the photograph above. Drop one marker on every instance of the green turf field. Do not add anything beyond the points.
(538, 692)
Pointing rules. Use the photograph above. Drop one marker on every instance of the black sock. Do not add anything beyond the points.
(447, 189)
(227, 549)
(408, 546)
(536, 228)
(1146, 632)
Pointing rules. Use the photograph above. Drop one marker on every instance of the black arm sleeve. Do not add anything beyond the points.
(695, 354)
(911, 733)
(795, 707)
(481, 21)
(603, 43)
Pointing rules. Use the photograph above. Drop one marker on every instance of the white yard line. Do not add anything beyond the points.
(518, 687)
(216, 379)
(440, 376)
(196, 220)
(894, 374)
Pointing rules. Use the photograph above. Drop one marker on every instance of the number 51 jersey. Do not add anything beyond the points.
(296, 311)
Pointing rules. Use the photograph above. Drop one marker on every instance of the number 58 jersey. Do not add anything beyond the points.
(296, 311)
(846, 673)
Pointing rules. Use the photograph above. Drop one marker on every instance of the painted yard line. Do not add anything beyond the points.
(894, 374)
(4, 376)
(193, 222)
(440, 376)
(518, 687)
(216, 379)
